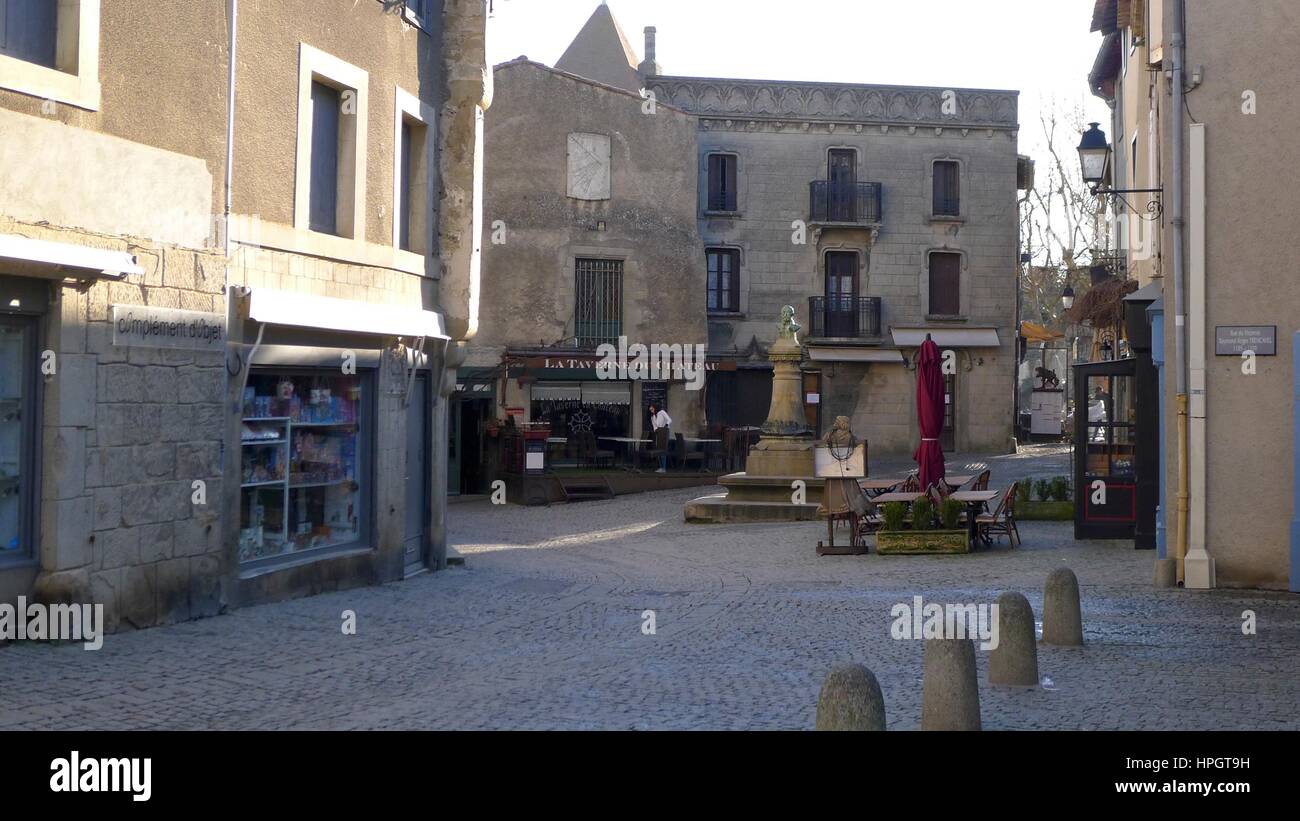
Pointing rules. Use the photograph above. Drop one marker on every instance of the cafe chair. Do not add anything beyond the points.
(684, 457)
(1001, 521)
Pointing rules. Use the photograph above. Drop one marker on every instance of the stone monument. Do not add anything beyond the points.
(779, 482)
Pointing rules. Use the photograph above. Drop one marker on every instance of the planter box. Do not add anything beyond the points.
(908, 542)
(1045, 511)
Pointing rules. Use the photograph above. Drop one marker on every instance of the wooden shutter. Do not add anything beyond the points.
(945, 284)
(324, 190)
(947, 189)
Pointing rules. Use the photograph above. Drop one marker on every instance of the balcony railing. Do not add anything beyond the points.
(844, 317)
(857, 202)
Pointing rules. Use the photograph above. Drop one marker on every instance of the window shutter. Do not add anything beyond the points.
(729, 183)
(323, 207)
(945, 284)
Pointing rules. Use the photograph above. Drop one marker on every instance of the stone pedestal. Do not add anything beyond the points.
(768, 491)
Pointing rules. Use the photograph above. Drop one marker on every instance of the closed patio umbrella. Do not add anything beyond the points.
(929, 412)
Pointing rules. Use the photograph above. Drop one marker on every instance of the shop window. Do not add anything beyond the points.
(17, 437)
(303, 481)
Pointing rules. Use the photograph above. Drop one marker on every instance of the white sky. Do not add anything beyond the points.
(1040, 47)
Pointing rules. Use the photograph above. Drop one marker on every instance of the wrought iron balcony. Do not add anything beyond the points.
(844, 317)
(855, 203)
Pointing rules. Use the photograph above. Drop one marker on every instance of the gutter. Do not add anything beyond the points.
(1195, 567)
(230, 129)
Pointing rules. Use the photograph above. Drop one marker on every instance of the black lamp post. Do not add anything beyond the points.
(1067, 297)
(1094, 161)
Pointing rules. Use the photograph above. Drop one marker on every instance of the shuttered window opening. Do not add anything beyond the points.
(724, 276)
(29, 31)
(945, 284)
(598, 315)
(947, 188)
(324, 194)
(722, 182)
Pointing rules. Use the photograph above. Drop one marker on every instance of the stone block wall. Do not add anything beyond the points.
(125, 434)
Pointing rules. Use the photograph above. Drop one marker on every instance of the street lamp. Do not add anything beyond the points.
(1067, 297)
(1094, 155)
(1094, 161)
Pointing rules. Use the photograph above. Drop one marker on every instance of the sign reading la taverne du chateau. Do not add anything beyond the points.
(153, 327)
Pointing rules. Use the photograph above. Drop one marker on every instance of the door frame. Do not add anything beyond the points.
(422, 388)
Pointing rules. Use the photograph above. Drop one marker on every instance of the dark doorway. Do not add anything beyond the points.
(841, 293)
(472, 414)
(418, 458)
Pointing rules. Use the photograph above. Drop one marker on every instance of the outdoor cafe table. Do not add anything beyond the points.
(627, 442)
(957, 480)
(878, 486)
(974, 501)
(904, 497)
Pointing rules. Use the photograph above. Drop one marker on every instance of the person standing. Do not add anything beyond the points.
(662, 424)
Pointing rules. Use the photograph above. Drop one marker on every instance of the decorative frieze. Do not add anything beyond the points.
(839, 103)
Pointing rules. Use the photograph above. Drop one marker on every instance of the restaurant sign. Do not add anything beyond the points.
(1235, 340)
(153, 327)
(587, 362)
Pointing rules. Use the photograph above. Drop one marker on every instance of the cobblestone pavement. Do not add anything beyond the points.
(542, 629)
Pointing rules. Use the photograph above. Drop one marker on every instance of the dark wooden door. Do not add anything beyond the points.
(841, 294)
(842, 174)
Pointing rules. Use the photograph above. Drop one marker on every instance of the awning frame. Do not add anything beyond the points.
(45, 259)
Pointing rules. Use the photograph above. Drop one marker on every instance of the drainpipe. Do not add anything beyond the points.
(1180, 311)
(230, 126)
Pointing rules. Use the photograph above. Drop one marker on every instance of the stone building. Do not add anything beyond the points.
(590, 235)
(222, 383)
(881, 213)
(1221, 225)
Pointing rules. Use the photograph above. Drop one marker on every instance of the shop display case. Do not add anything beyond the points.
(1105, 450)
(301, 446)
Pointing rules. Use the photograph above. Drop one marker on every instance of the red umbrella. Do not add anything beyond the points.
(929, 412)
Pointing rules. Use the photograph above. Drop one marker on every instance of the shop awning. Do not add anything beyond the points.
(1033, 332)
(60, 260)
(565, 392)
(346, 315)
(606, 393)
(847, 353)
(947, 337)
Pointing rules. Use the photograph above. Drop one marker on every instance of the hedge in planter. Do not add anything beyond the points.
(923, 538)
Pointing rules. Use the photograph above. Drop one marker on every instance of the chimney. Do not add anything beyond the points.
(648, 67)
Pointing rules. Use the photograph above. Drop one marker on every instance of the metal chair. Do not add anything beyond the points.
(682, 456)
(1002, 520)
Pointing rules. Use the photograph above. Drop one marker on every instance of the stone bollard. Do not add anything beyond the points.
(950, 695)
(1062, 623)
(1015, 660)
(850, 700)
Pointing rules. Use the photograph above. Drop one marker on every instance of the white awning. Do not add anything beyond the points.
(56, 260)
(846, 353)
(557, 392)
(947, 337)
(308, 311)
(606, 393)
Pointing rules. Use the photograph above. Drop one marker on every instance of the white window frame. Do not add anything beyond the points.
(76, 80)
(407, 106)
(315, 65)
(411, 16)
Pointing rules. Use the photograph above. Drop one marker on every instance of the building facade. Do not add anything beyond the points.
(590, 237)
(223, 379)
(1208, 265)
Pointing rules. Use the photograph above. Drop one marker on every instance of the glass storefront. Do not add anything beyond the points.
(17, 436)
(600, 408)
(303, 482)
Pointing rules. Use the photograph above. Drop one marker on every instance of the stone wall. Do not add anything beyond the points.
(126, 433)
